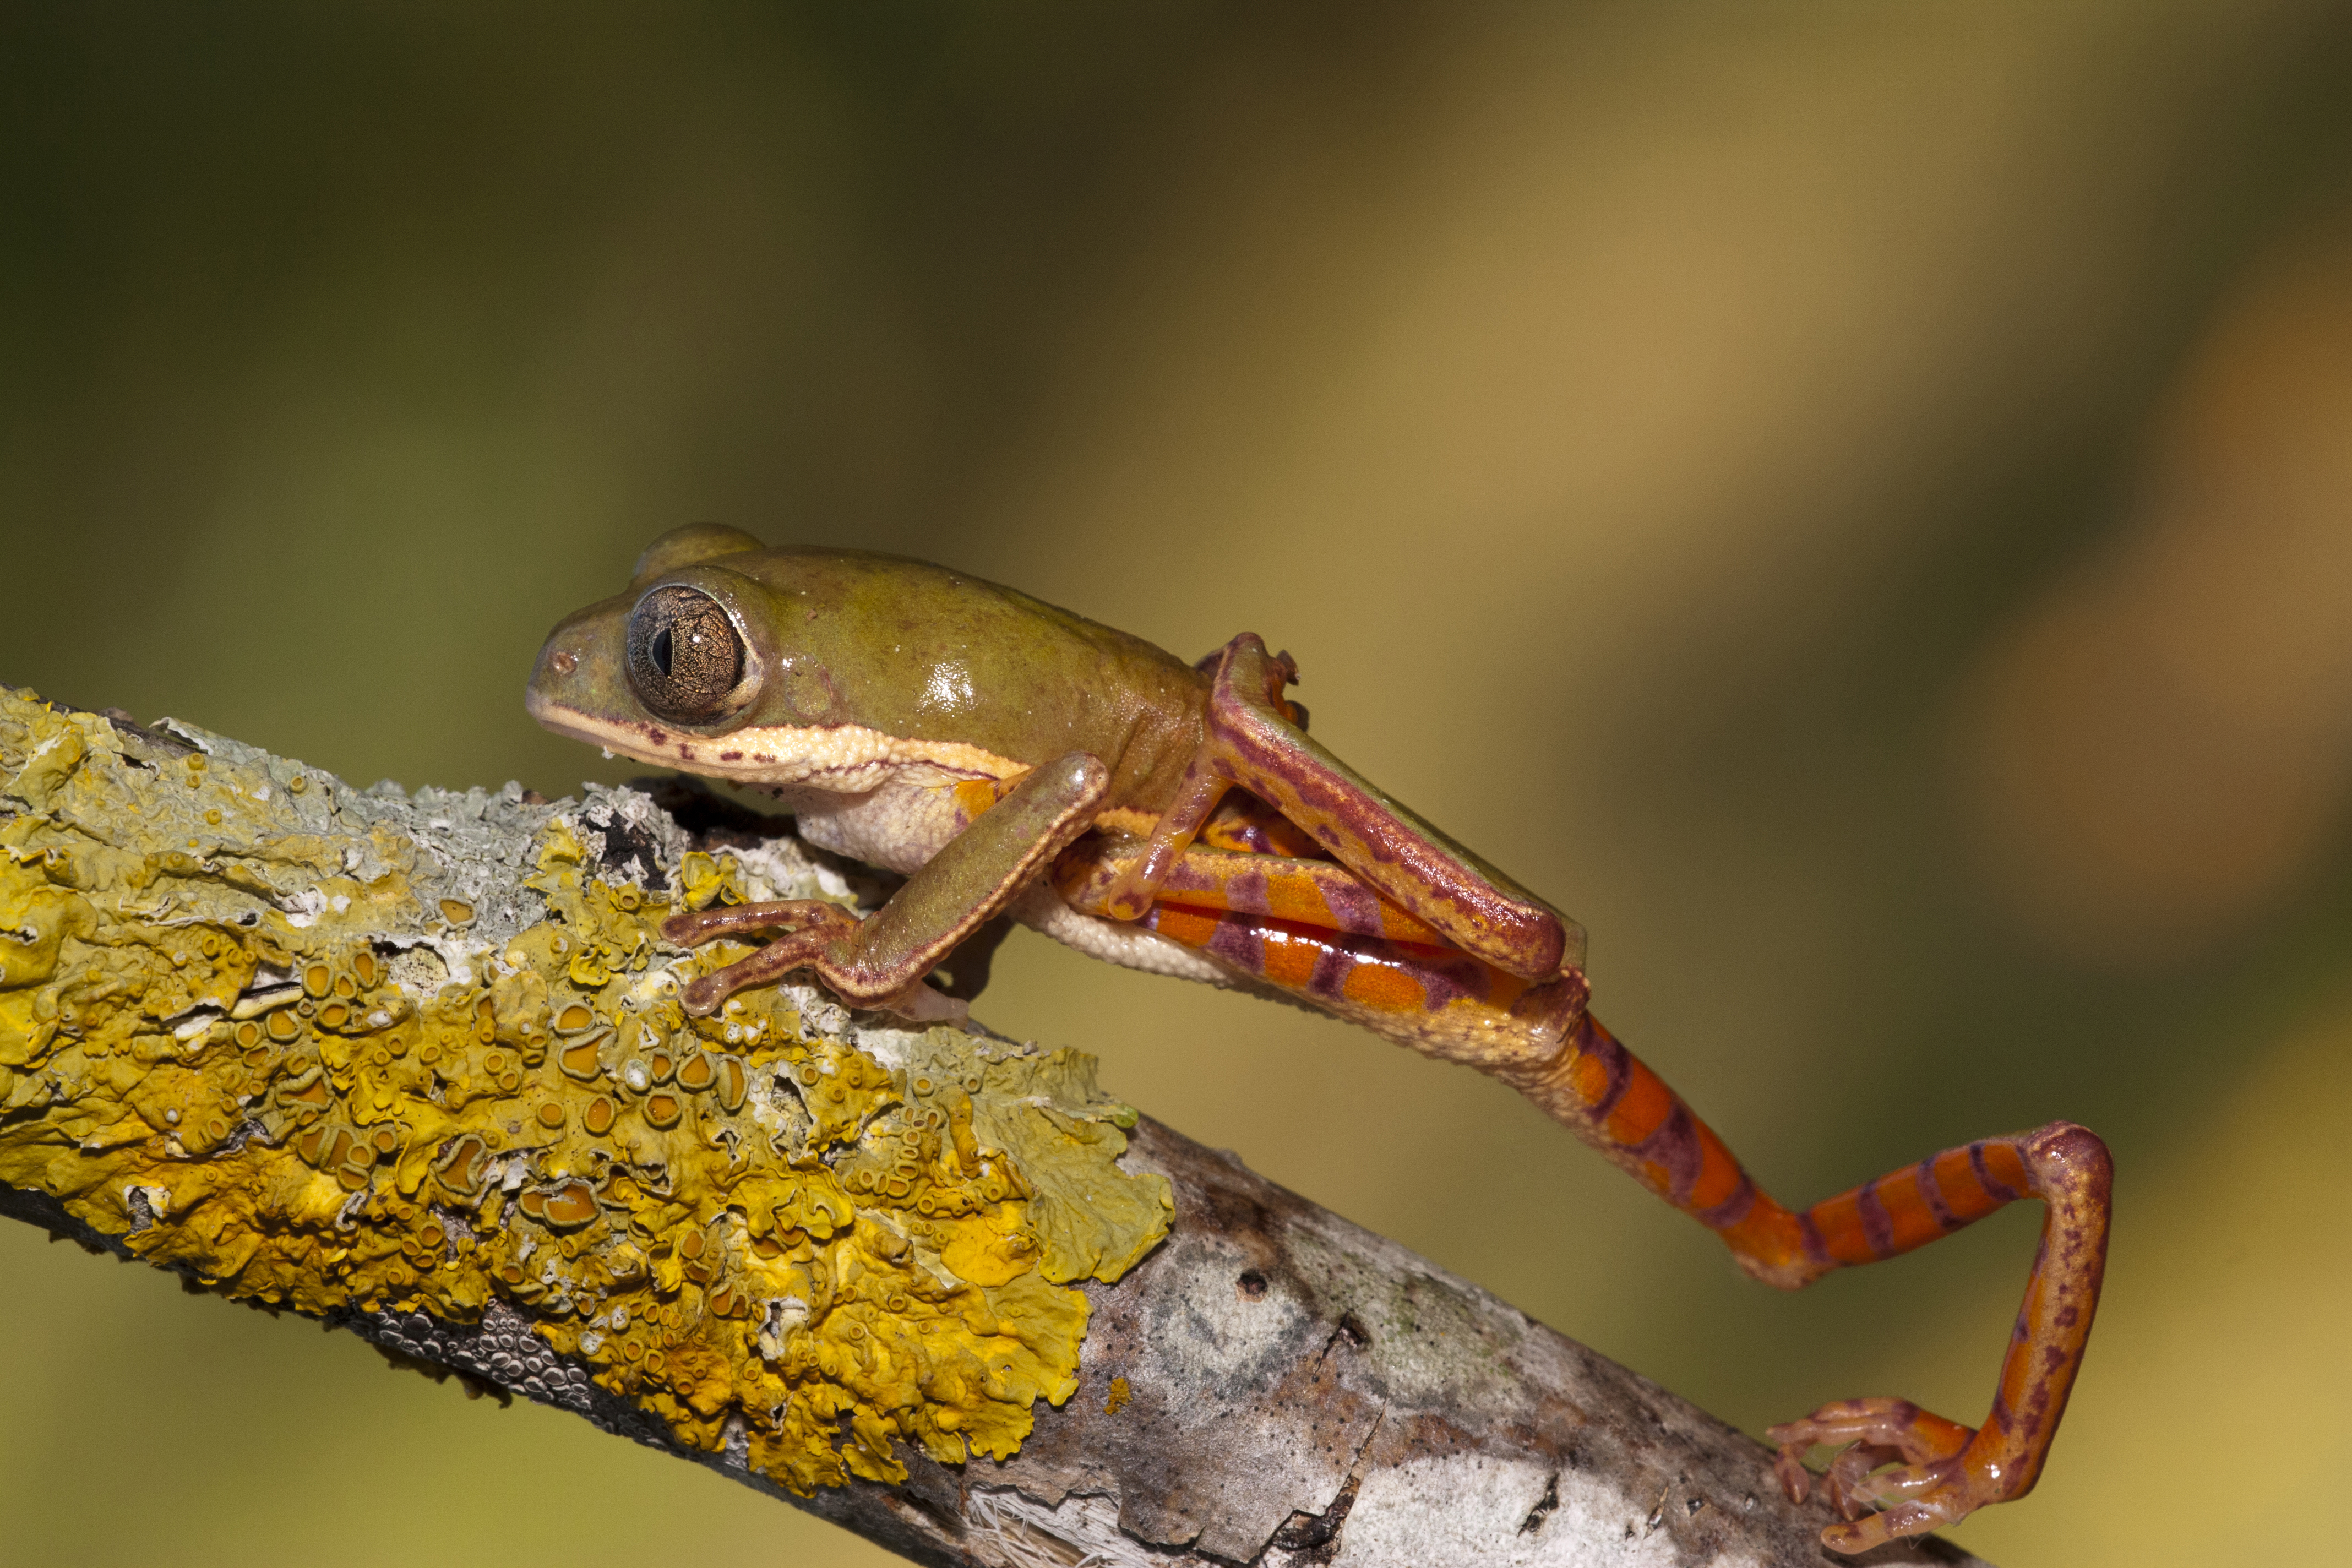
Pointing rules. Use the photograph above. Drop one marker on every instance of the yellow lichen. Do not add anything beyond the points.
(253, 1031)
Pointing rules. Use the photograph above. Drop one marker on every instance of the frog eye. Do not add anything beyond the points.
(685, 656)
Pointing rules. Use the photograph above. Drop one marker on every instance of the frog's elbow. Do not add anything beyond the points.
(1079, 775)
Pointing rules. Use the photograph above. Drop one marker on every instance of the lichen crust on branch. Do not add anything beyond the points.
(316, 1047)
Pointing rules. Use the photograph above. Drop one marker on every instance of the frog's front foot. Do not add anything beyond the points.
(1931, 1486)
(811, 928)
(815, 935)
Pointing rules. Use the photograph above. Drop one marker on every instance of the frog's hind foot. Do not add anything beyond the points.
(1931, 1485)
(810, 926)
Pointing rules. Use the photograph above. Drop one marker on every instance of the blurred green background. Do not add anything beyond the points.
(1855, 502)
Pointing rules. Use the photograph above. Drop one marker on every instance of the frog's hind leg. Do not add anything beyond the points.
(1251, 741)
(1293, 925)
(1312, 933)
(1319, 892)
(1245, 824)
(1601, 1090)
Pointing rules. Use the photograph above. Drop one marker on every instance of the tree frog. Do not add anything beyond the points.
(1010, 758)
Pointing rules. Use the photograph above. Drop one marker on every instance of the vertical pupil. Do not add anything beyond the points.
(662, 650)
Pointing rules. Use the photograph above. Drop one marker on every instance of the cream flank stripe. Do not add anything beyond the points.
(782, 753)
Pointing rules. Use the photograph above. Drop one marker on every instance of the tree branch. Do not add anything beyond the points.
(413, 1066)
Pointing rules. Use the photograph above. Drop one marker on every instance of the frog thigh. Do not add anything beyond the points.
(1251, 743)
(1139, 947)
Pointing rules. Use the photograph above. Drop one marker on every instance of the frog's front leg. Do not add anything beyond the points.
(882, 960)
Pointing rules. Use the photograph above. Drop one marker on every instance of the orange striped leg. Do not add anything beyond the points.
(1538, 1039)
(1432, 997)
(1947, 1470)
(1320, 893)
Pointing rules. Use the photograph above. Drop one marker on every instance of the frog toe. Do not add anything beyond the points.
(694, 928)
(1928, 1487)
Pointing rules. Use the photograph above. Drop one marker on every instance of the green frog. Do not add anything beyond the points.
(1012, 759)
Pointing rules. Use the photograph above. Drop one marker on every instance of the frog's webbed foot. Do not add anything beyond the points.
(815, 936)
(810, 929)
(881, 962)
(1930, 1486)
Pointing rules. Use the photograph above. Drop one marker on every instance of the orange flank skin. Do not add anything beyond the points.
(973, 796)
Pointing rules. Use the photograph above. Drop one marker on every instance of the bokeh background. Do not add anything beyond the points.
(1853, 501)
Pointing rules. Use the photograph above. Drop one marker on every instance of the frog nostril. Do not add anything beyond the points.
(561, 663)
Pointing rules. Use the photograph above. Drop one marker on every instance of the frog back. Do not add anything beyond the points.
(929, 654)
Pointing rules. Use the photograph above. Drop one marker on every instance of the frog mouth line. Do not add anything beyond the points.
(637, 739)
(576, 725)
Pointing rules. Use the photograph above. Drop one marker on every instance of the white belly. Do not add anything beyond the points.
(898, 826)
